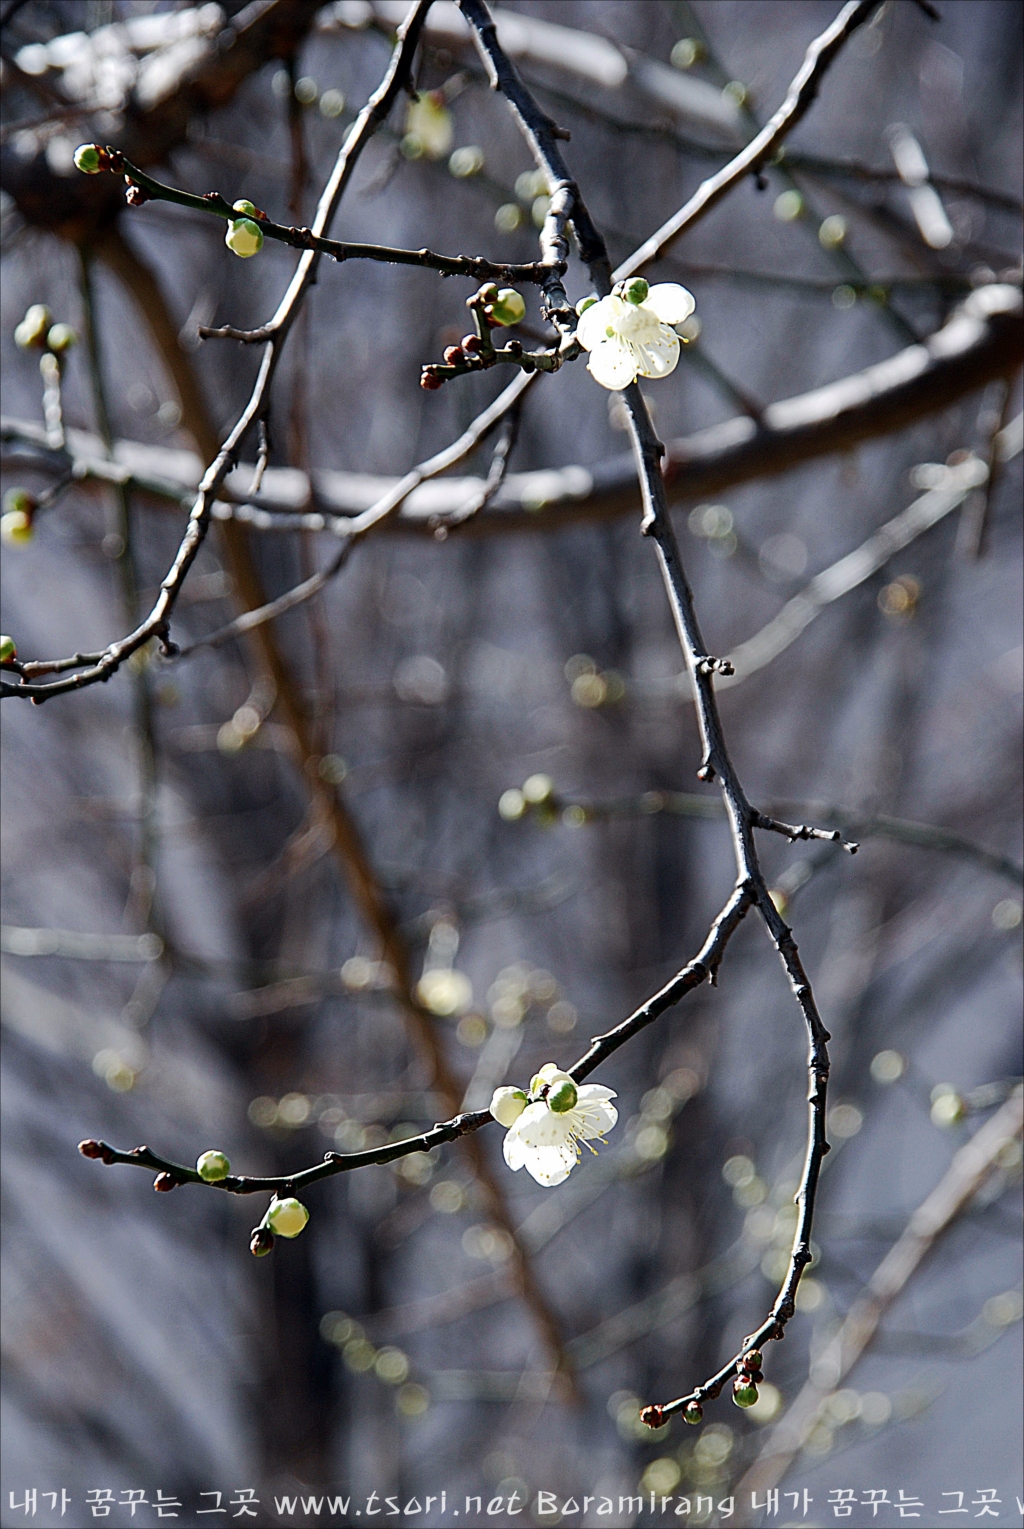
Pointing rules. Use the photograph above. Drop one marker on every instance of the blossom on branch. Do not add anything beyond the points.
(547, 1125)
(631, 333)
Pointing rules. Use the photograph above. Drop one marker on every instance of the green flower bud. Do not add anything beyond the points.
(15, 527)
(244, 237)
(744, 1392)
(562, 1096)
(61, 337)
(693, 1412)
(507, 1105)
(248, 208)
(213, 1166)
(32, 329)
(287, 1218)
(8, 650)
(585, 303)
(508, 307)
(89, 158)
(635, 291)
(19, 501)
(752, 1360)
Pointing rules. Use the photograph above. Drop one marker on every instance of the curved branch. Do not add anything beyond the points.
(983, 341)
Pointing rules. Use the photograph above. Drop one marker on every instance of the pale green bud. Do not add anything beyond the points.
(635, 291)
(287, 1218)
(61, 337)
(508, 307)
(32, 329)
(744, 1392)
(8, 650)
(585, 303)
(88, 158)
(15, 527)
(248, 208)
(507, 1105)
(244, 237)
(213, 1166)
(562, 1094)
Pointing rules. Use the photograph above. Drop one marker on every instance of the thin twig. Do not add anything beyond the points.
(799, 98)
(476, 267)
(970, 1167)
(688, 804)
(156, 624)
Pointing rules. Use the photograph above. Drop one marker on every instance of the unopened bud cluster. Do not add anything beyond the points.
(492, 308)
(744, 1387)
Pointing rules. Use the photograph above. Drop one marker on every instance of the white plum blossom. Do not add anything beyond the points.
(546, 1126)
(631, 333)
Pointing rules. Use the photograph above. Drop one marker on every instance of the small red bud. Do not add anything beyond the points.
(653, 1415)
(261, 1242)
(752, 1360)
(471, 344)
(429, 381)
(453, 354)
(91, 1148)
(164, 1183)
(135, 196)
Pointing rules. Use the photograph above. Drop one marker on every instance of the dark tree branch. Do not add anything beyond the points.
(473, 266)
(983, 341)
(156, 624)
(715, 764)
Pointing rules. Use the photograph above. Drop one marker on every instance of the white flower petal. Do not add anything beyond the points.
(658, 355)
(540, 1127)
(514, 1150)
(637, 324)
(672, 303)
(592, 327)
(590, 1091)
(613, 364)
(594, 1119)
(552, 1165)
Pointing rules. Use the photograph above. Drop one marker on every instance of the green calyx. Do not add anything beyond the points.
(563, 1097)
(585, 303)
(635, 291)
